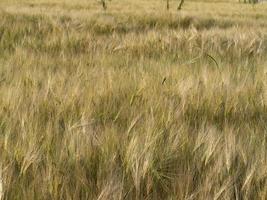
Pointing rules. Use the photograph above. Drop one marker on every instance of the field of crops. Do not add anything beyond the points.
(133, 102)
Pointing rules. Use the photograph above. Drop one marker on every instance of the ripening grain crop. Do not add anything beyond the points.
(134, 102)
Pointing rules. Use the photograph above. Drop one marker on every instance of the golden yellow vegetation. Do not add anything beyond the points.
(133, 102)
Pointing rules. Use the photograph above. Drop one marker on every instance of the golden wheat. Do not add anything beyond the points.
(133, 102)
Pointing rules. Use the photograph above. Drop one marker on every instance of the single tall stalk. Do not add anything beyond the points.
(104, 5)
(180, 5)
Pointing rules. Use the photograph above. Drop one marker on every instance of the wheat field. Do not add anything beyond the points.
(135, 102)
